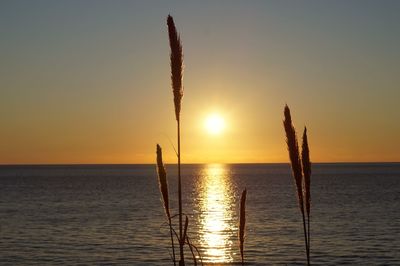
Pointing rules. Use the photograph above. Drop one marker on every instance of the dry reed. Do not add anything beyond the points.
(162, 181)
(242, 223)
(176, 57)
(163, 184)
(293, 148)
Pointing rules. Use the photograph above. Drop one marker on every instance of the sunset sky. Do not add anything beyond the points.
(89, 81)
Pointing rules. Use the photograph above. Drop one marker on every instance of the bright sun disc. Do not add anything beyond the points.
(214, 124)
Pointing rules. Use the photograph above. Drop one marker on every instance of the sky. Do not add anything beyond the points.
(89, 81)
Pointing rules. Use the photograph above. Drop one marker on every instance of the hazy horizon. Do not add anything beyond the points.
(198, 163)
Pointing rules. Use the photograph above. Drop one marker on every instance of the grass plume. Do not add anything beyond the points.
(163, 185)
(242, 223)
(293, 148)
(176, 57)
(296, 163)
(162, 181)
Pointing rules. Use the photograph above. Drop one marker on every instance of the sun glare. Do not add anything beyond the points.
(214, 124)
(217, 217)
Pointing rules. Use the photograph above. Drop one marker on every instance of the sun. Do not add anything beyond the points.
(214, 124)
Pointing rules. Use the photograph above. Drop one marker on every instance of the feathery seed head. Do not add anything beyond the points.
(176, 57)
(293, 148)
(162, 181)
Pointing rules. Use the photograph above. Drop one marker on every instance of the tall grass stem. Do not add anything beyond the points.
(242, 223)
(176, 57)
(305, 159)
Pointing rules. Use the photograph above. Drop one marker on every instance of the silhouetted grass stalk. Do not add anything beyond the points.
(163, 184)
(293, 148)
(242, 223)
(192, 249)
(176, 57)
(305, 159)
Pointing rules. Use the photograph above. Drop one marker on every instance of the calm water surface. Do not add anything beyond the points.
(102, 214)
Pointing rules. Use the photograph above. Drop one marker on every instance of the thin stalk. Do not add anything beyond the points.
(191, 251)
(181, 243)
(305, 238)
(308, 237)
(305, 160)
(176, 57)
(172, 240)
(197, 250)
(242, 223)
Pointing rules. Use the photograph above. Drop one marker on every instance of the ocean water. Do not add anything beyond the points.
(112, 214)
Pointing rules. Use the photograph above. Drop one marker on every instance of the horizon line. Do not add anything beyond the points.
(83, 164)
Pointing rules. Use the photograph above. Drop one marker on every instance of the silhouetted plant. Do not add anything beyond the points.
(301, 168)
(176, 57)
(163, 184)
(305, 159)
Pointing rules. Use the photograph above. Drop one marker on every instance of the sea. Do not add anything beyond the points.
(114, 215)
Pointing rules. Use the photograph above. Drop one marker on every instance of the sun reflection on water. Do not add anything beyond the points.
(217, 227)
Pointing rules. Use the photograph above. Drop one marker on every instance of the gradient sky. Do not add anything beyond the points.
(88, 81)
